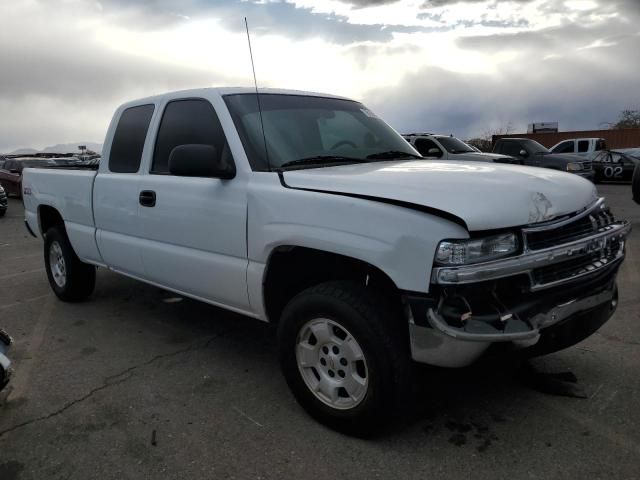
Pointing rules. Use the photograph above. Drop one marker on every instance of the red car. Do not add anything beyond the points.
(11, 172)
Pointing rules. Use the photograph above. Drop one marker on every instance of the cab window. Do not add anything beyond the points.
(564, 147)
(511, 148)
(128, 139)
(423, 145)
(583, 146)
(184, 122)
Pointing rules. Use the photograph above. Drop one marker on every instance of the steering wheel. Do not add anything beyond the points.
(343, 142)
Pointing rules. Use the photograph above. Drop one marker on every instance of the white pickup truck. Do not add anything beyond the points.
(585, 147)
(310, 212)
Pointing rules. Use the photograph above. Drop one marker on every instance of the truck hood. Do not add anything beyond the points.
(480, 157)
(485, 196)
(564, 158)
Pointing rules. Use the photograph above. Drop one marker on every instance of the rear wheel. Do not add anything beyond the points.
(71, 279)
(344, 357)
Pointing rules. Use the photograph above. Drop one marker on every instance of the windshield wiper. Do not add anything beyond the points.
(390, 154)
(322, 160)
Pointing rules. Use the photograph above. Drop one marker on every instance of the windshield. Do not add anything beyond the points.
(534, 147)
(298, 127)
(454, 145)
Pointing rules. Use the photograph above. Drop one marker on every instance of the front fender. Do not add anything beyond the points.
(399, 241)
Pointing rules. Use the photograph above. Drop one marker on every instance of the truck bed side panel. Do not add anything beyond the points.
(70, 192)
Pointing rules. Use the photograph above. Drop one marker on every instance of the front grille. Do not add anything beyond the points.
(595, 222)
(577, 266)
(586, 166)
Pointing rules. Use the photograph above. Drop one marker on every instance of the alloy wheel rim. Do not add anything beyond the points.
(332, 363)
(57, 264)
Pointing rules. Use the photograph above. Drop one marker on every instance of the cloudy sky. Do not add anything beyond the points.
(449, 66)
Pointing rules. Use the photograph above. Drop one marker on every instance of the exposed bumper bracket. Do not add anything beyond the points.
(522, 331)
(435, 342)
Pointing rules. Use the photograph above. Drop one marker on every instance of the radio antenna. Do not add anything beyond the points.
(255, 82)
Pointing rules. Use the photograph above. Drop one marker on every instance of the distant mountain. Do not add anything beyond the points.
(24, 151)
(72, 147)
(60, 148)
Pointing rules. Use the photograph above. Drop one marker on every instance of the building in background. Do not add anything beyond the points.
(616, 139)
(543, 127)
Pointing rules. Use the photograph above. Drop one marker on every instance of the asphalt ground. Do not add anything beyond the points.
(133, 384)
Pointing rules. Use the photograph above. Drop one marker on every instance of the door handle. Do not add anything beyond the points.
(147, 198)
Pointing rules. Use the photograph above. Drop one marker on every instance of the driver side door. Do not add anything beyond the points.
(194, 227)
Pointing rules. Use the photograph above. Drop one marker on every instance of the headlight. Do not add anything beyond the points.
(574, 167)
(461, 252)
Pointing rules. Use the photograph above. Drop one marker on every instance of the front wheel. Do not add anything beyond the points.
(344, 357)
(71, 279)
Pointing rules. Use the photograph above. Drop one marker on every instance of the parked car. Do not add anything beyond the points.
(531, 153)
(635, 184)
(632, 152)
(5, 363)
(585, 147)
(327, 223)
(4, 204)
(613, 166)
(70, 161)
(448, 147)
(11, 172)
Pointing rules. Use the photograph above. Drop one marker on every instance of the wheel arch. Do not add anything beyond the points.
(291, 269)
(48, 217)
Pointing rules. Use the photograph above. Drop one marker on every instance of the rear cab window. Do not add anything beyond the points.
(128, 139)
(583, 146)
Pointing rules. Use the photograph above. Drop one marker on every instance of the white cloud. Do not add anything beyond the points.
(426, 63)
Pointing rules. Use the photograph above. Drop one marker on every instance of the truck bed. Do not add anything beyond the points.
(70, 192)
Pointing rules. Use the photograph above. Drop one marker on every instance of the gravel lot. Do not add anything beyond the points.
(133, 384)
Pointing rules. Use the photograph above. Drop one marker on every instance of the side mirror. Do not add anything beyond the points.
(523, 153)
(199, 160)
(434, 152)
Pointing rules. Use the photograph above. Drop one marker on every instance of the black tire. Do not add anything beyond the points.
(635, 184)
(378, 330)
(80, 277)
(2, 212)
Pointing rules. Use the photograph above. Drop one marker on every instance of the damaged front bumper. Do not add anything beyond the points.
(541, 301)
(5, 363)
(549, 328)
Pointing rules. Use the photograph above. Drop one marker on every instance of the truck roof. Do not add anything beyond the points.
(580, 138)
(436, 135)
(197, 92)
